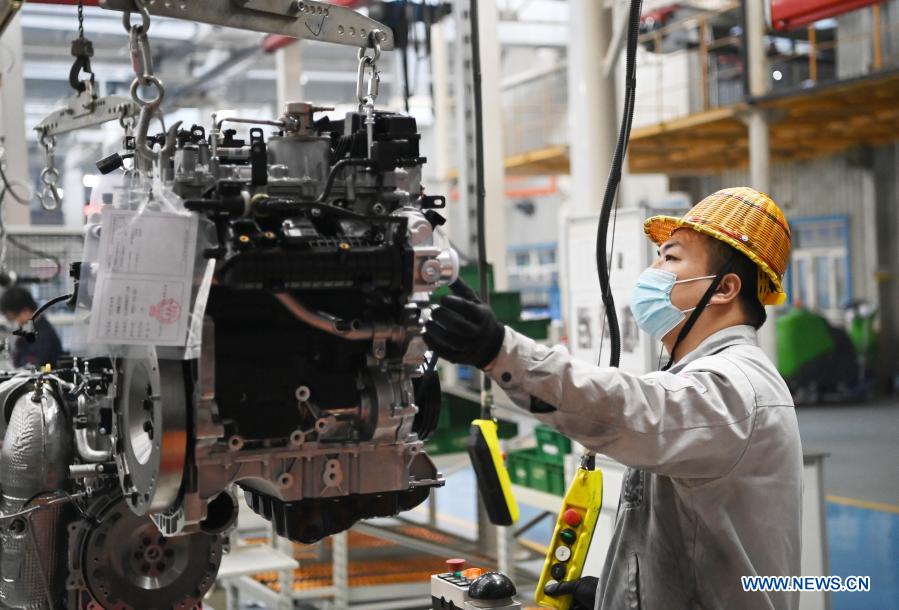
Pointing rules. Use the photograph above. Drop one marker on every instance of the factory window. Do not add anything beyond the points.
(534, 272)
(819, 276)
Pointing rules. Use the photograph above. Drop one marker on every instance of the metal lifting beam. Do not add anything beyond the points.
(305, 19)
(328, 22)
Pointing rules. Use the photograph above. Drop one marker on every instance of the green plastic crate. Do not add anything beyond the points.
(530, 468)
(535, 329)
(506, 306)
(469, 274)
(455, 439)
(447, 441)
(454, 426)
(554, 445)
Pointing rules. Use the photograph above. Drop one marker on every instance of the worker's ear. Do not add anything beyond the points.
(728, 290)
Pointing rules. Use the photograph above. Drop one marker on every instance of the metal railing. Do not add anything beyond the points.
(863, 42)
(697, 64)
(535, 107)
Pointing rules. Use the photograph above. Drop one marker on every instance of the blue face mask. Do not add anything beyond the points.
(651, 301)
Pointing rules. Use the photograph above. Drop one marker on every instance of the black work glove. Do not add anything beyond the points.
(464, 330)
(582, 590)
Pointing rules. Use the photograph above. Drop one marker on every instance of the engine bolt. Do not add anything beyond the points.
(303, 393)
(430, 271)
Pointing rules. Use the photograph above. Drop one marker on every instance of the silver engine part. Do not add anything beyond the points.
(309, 388)
(37, 451)
(143, 569)
(67, 538)
(304, 392)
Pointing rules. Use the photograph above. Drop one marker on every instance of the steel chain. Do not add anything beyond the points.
(49, 196)
(142, 64)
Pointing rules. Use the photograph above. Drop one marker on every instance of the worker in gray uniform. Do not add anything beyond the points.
(713, 488)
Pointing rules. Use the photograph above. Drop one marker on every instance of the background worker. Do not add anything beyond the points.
(18, 306)
(714, 485)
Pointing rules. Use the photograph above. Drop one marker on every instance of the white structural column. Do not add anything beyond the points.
(757, 124)
(494, 168)
(288, 67)
(12, 123)
(592, 107)
(592, 124)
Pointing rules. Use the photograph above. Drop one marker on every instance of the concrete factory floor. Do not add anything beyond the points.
(861, 479)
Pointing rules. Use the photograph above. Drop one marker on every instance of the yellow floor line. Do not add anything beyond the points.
(879, 506)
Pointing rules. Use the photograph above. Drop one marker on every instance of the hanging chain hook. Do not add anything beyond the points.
(82, 51)
(49, 196)
(142, 64)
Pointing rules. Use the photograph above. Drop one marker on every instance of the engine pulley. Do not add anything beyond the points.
(150, 432)
(127, 564)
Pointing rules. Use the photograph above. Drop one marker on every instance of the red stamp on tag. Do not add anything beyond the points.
(167, 311)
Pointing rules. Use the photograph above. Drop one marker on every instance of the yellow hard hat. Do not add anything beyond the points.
(745, 219)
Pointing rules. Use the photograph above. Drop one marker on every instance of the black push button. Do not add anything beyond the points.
(492, 586)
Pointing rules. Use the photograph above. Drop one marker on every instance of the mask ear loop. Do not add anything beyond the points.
(700, 307)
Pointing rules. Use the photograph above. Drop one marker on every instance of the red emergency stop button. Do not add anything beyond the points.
(572, 517)
(455, 565)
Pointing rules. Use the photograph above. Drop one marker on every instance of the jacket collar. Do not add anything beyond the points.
(732, 335)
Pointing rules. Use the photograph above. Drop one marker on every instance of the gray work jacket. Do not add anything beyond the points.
(714, 486)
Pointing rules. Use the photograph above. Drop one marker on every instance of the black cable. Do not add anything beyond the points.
(55, 300)
(404, 27)
(27, 330)
(337, 167)
(611, 191)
